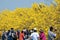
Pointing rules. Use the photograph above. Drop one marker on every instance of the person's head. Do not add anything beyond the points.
(12, 28)
(51, 28)
(41, 31)
(55, 29)
(22, 31)
(8, 30)
(35, 30)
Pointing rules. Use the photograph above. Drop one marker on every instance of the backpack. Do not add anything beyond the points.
(14, 36)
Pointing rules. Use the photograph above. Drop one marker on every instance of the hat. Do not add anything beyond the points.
(35, 28)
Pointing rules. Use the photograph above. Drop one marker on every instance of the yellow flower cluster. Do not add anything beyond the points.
(40, 16)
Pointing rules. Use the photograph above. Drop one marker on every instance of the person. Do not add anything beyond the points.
(51, 35)
(11, 35)
(25, 33)
(21, 36)
(14, 36)
(0, 34)
(31, 31)
(12, 30)
(34, 35)
(8, 32)
(42, 35)
(17, 33)
(4, 36)
(24, 30)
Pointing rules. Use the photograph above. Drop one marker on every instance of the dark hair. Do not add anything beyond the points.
(51, 28)
(12, 28)
(8, 30)
(35, 30)
(22, 31)
(41, 31)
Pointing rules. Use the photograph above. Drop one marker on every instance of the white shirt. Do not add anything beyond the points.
(34, 36)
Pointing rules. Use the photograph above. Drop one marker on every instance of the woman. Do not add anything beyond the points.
(42, 35)
(21, 36)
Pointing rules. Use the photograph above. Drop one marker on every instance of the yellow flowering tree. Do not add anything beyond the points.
(40, 16)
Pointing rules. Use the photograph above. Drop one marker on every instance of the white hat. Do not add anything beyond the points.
(35, 28)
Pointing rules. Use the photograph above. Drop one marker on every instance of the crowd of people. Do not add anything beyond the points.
(26, 34)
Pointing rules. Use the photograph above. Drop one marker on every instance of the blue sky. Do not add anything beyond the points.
(12, 4)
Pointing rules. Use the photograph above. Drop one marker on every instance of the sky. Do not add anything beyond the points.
(12, 4)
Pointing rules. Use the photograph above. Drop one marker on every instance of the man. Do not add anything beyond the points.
(12, 35)
(34, 35)
(51, 35)
(12, 30)
(4, 35)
